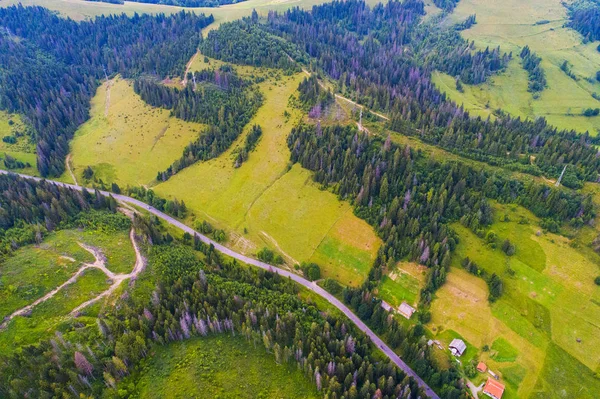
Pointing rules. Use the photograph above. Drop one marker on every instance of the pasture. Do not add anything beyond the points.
(548, 315)
(217, 367)
(35, 270)
(127, 141)
(511, 25)
(265, 202)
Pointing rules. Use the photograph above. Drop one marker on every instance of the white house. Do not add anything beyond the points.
(457, 347)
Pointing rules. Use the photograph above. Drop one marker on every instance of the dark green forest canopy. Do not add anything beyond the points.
(180, 3)
(584, 17)
(383, 57)
(50, 66)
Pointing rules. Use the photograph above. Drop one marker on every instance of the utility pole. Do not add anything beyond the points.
(561, 176)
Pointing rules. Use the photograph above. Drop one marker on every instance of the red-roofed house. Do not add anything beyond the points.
(493, 389)
(481, 367)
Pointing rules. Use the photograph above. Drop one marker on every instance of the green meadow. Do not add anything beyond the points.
(511, 24)
(125, 140)
(23, 149)
(545, 329)
(217, 367)
(34, 270)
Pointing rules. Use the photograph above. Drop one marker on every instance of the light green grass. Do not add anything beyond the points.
(127, 141)
(49, 316)
(511, 25)
(23, 150)
(265, 203)
(402, 284)
(218, 367)
(505, 352)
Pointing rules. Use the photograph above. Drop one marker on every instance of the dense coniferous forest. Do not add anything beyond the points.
(226, 103)
(314, 98)
(410, 199)
(371, 56)
(584, 17)
(50, 66)
(30, 209)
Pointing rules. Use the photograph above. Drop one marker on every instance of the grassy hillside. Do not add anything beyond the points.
(218, 367)
(548, 317)
(127, 141)
(512, 25)
(264, 203)
(22, 149)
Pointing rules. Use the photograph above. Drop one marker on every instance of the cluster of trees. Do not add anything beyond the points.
(180, 3)
(269, 256)
(243, 42)
(29, 209)
(374, 57)
(584, 17)
(537, 76)
(447, 5)
(313, 97)
(195, 298)
(494, 282)
(13, 163)
(173, 207)
(249, 145)
(409, 199)
(226, 104)
(467, 23)
(50, 66)
(311, 271)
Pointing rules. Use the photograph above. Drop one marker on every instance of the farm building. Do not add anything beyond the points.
(481, 367)
(457, 347)
(406, 310)
(493, 389)
(386, 306)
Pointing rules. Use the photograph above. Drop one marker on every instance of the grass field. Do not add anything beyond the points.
(511, 24)
(23, 150)
(402, 284)
(34, 270)
(267, 203)
(218, 367)
(545, 329)
(127, 141)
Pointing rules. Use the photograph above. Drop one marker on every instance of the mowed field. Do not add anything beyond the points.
(511, 24)
(266, 202)
(127, 141)
(35, 270)
(544, 331)
(218, 367)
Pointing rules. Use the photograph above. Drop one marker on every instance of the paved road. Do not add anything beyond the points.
(302, 281)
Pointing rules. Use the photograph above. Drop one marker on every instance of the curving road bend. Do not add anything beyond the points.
(300, 280)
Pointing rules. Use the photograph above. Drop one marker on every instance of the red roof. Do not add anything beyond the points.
(493, 388)
(482, 367)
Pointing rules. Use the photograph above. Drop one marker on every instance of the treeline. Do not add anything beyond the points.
(447, 5)
(29, 209)
(584, 17)
(467, 23)
(374, 58)
(249, 145)
(313, 98)
(410, 199)
(194, 298)
(188, 3)
(537, 76)
(243, 42)
(50, 66)
(225, 111)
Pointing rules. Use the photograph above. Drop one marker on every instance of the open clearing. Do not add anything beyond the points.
(218, 367)
(23, 149)
(35, 270)
(545, 330)
(131, 142)
(265, 203)
(511, 24)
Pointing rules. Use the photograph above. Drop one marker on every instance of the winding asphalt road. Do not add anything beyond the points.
(302, 281)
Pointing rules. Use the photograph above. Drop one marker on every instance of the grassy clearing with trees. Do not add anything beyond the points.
(512, 25)
(219, 366)
(15, 142)
(549, 302)
(127, 141)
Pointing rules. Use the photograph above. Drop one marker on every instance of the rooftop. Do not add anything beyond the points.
(493, 388)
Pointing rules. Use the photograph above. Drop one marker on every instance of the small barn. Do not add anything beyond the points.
(481, 367)
(457, 347)
(406, 310)
(386, 306)
(493, 389)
